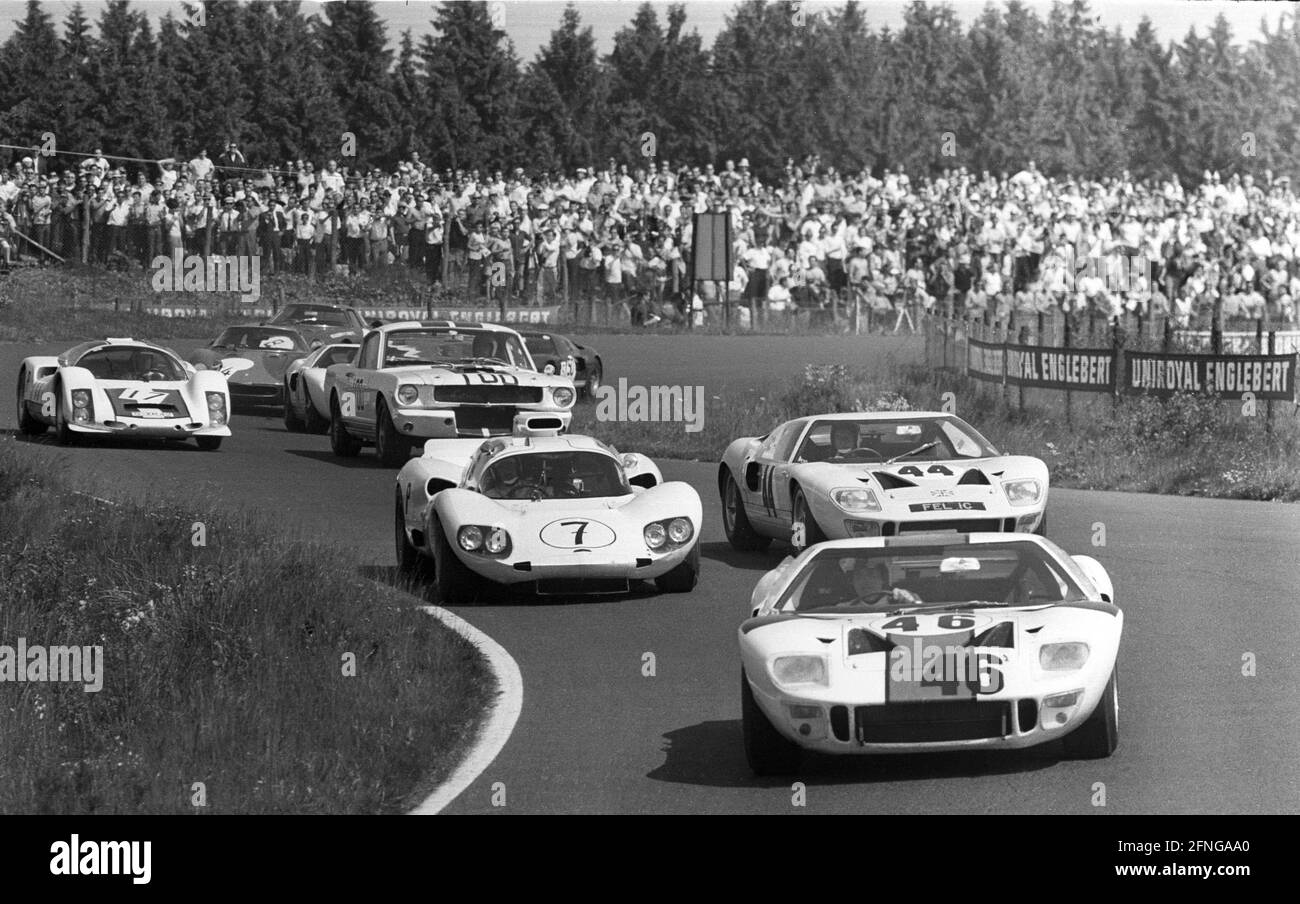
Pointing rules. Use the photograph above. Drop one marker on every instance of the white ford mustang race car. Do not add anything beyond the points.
(306, 407)
(857, 474)
(415, 381)
(564, 514)
(927, 643)
(122, 387)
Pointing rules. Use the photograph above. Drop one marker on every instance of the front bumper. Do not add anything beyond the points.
(256, 393)
(470, 420)
(840, 525)
(521, 567)
(152, 428)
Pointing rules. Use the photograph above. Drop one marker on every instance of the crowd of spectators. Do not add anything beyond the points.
(811, 243)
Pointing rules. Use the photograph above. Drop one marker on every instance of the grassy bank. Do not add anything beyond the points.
(223, 664)
(1188, 445)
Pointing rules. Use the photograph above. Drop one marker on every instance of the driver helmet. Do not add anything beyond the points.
(485, 346)
(869, 577)
(844, 436)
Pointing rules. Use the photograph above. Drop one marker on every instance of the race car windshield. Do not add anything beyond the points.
(540, 345)
(1013, 573)
(554, 475)
(307, 314)
(131, 363)
(903, 439)
(408, 347)
(260, 337)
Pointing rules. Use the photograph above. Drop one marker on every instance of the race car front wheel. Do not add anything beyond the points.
(64, 433)
(683, 577)
(453, 583)
(812, 534)
(391, 447)
(740, 533)
(1098, 737)
(208, 443)
(594, 376)
(409, 561)
(1041, 530)
(768, 752)
(292, 422)
(312, 419)
(27, 425)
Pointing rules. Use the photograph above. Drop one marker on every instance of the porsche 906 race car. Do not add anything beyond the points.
(930, 642)
(122, 387)
(253, 359)
(563, 514)
(319, 322)
(306, 407)
(414, 381)
(556, 354)
(876, 474)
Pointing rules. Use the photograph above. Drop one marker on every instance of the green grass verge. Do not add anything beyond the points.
(223, 664)
(1188, 445)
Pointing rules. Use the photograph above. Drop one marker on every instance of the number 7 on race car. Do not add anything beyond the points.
(577, 534)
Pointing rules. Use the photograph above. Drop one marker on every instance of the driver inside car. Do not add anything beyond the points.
(871, 585)
(844, 439)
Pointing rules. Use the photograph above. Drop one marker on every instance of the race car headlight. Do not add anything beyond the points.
(855, 499)
(680, 530)
(563, 396)
(790, 670)
(408, 394)
(497, 542)
(81, 404)
(1058, 709)
(470, 537)
(1023, 492)
(655, 535)
(1061, 657)
(216, 408)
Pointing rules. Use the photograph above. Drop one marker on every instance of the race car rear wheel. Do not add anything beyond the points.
(453, 583)
(409, 561)
(1098, 737)
(342, 443)
(684, 576)
(594, 377)
(740, 533)
(312, 419)
(391, 447)
(292, 422)
(27, 425)
(768, 752)
(208, 443)
(812, 533)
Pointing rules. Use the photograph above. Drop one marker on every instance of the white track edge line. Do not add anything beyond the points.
(497, 725)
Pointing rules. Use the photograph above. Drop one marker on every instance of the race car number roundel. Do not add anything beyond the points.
(577, 533)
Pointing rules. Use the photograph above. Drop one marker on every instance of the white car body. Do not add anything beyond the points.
(306, 406)
(562, 546)
(124, 388)
(380, 399)
(871, 694)
(939, 492)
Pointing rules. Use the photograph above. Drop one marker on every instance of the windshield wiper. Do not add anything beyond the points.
(924, 447)
(481, 360)
(948, 607)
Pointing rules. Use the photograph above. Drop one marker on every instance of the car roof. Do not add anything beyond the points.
(442, 324)
(569, 442)
(874, 415)
(77, 351)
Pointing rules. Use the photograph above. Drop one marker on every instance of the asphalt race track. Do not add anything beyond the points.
(1202, 583)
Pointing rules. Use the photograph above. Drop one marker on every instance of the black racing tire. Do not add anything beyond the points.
(802, 512)
(740, 532)
(453, 583)
(391, 448)
(1098, 737)
(1041, 530)
(292, 422)
(312, 420)
(766, 749)
(410, 563)
(63, 432)
(684, 576)
(209, 443)
(27, 425)
(342, 443)
(594, 376)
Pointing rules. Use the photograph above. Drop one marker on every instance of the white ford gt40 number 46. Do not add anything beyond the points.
(122, 387)
(417, 381)
(930, 642)
(562, 514)
(882, 474)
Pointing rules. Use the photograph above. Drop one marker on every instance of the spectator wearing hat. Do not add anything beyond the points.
(228, 230)
(435, 236)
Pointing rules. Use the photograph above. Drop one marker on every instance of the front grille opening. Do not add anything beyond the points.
(1027, 715)
(887, 529)
(581, 586)
(917, 723)
(960, 525)
(1008, 525)
(472, 421)
(488, 395)
(840, 722)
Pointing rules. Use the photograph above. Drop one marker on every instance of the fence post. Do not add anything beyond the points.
(1216, 327)
(1117, 343)
(1000, 332)
(1268, 410)
(1068, 396)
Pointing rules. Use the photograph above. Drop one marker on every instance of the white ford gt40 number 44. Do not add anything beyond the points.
(122, 387)
(930, 642)
(417, 381)
(562, 514)
(882, 474)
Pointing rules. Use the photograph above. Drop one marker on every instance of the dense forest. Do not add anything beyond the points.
(1021, 82)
